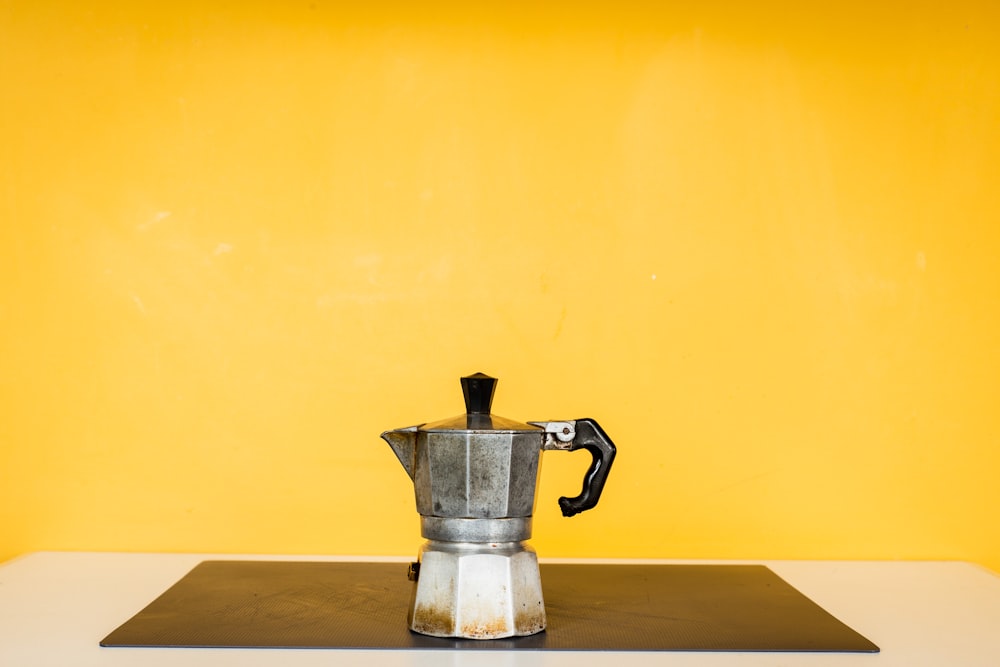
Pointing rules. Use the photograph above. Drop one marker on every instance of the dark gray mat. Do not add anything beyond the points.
(284, 604)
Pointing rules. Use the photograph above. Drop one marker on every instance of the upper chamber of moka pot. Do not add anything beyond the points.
(473, 466)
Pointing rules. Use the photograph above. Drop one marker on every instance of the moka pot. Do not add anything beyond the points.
(474, 479)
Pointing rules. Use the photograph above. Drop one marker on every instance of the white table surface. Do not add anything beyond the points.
(56, 606)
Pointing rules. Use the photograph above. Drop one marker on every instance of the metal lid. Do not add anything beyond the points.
(478, 390)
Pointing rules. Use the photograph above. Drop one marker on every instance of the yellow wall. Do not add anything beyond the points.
(757, 242)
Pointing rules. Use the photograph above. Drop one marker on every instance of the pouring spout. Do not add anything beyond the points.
(404, 443)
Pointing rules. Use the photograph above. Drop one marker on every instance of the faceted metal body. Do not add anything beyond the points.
(476, 493)
(460, 474)
(477, 591)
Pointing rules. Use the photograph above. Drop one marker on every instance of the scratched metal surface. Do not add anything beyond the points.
(282, 604)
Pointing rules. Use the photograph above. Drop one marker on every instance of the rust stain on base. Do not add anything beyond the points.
(486, 629)
(530, 621)
(434, 622)
(441, 623)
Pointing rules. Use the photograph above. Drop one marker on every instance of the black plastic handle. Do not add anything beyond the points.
(590, 436)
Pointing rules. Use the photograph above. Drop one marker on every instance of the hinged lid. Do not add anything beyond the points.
(478, 390)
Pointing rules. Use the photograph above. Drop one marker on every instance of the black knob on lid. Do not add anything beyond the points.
(478, 390)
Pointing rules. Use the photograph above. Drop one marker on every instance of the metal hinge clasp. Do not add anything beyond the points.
(558, 435)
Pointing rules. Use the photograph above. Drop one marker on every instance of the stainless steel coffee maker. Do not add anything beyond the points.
(474, 478)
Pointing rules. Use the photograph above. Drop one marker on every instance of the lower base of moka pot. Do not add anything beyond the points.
(476, 590)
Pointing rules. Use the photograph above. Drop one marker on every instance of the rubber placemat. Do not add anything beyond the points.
(292, 604)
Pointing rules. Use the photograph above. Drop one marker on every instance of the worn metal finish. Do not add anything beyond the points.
(479, 591)
(475, 492)
(481, 475)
